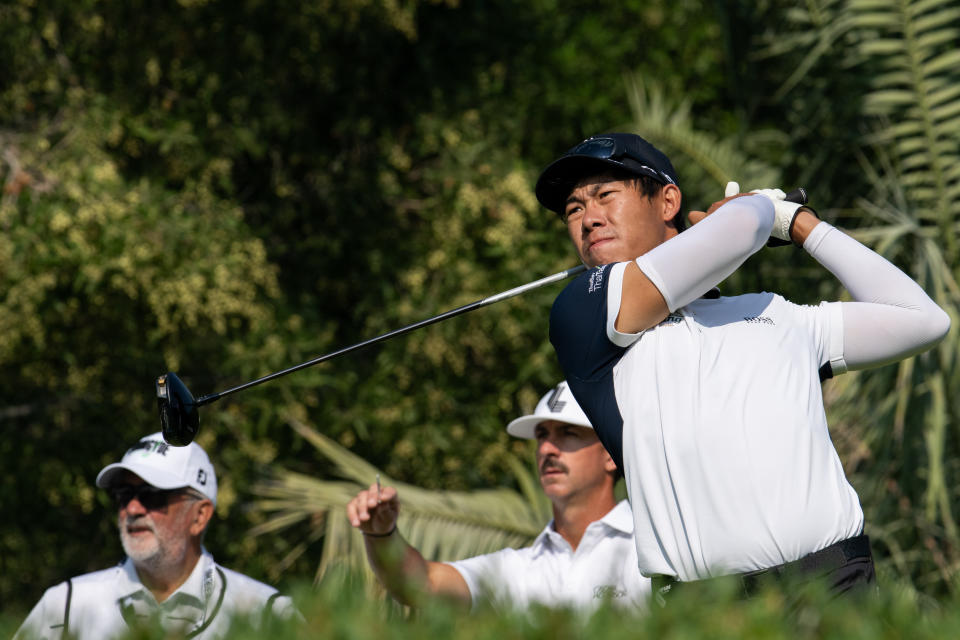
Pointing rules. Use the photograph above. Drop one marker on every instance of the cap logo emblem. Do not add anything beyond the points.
(151, 446)
(556, 405)
(202, 477)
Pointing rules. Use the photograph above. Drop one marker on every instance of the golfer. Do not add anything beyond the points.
(584, 557)
(165, 498)
(712, 405)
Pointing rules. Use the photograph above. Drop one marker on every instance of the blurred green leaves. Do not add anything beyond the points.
(229, 188)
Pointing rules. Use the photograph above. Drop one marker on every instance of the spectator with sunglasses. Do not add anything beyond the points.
(165, 499)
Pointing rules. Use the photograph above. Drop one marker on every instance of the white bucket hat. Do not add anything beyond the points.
(165, 466)
(557, 404)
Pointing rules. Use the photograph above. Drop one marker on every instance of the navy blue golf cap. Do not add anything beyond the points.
(626, 151)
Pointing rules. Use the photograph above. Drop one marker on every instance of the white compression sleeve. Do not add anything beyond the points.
(687, 266)
(892, 317)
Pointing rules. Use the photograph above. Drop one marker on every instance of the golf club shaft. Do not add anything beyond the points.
(557, 277)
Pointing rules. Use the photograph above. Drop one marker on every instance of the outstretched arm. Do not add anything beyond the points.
(685, 267)
(891, 317)
(400, 568)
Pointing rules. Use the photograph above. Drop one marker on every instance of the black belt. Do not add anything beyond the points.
(826, 560)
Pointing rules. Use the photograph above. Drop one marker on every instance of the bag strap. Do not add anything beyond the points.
(66, 610)
(216, 609)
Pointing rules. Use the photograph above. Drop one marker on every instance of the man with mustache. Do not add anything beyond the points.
(165, 498)
(585, 555)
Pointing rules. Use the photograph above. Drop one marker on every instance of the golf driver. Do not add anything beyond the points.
(179, 417)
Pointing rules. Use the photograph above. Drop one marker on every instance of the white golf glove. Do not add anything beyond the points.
(784, 214)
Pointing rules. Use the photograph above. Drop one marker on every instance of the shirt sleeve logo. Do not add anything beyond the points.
(596, 279)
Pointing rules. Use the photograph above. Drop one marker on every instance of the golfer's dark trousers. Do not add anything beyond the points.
(843, 566)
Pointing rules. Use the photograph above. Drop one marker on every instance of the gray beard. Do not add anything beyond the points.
(156, 555)
(148, 557)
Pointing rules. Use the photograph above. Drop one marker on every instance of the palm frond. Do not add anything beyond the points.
(915, 105)
(817, 29)
(916, 98)
(668, 124)
(443, 525)
(905, 413)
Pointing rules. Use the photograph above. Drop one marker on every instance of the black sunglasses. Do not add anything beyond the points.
(150, 497)
(613, 149)
(602, 148)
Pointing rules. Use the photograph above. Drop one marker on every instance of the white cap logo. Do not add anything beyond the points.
(557, 404)
(554, 402)
(165, 467)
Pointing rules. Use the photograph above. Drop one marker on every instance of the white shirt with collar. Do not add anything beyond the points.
(107, 603)
(550, 572)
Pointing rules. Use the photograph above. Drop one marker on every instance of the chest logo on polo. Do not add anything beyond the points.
(673, 318)
(208, 584)
(608, 591)
(759, 320)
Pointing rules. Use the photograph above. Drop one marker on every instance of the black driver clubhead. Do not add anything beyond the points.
(179, 418)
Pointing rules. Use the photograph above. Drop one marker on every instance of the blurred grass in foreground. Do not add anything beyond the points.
(339, 609)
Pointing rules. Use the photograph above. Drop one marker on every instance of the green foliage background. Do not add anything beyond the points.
(227, 188)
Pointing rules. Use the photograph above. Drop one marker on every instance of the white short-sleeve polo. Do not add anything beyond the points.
(716, 417)
(549, 572)
(105, 604)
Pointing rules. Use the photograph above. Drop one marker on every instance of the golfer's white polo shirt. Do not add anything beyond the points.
(716, 417)
(550, 572)
(105, 604)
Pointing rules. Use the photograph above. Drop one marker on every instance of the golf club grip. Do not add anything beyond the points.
(798, 195)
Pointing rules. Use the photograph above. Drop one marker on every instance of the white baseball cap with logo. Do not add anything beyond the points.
(165, 466)
(557, 404)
